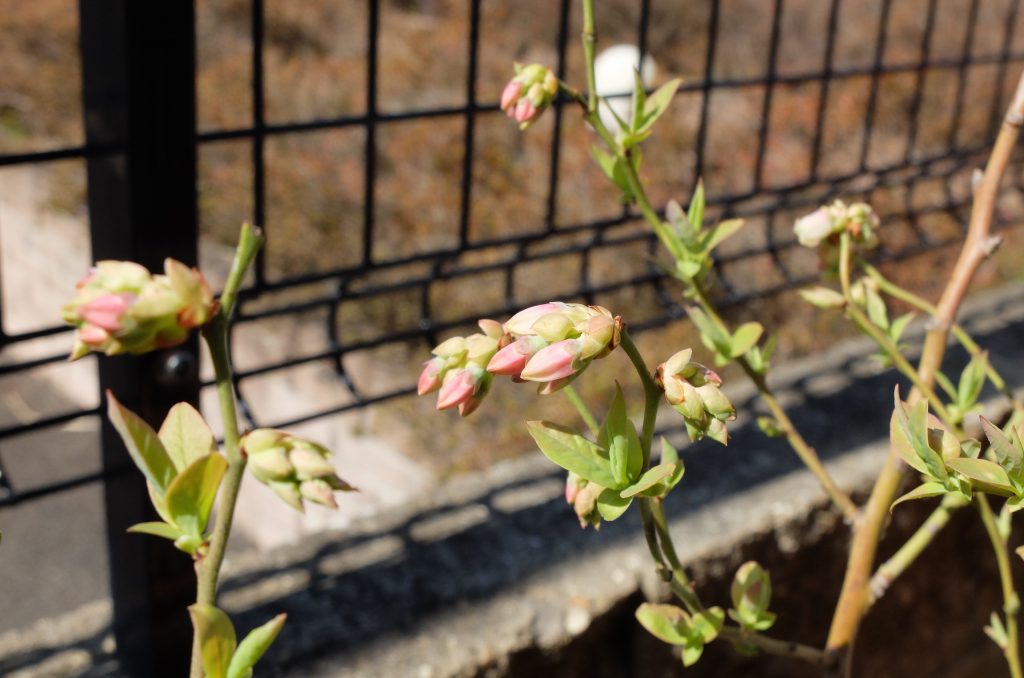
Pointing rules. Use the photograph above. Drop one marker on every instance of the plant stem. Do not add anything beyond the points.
(1011, 602)
(782, 648)
(216, 336)
(581, 407)
(959, 333)
(589, 38)
(912, 548)
(851, 605)
(801, 447)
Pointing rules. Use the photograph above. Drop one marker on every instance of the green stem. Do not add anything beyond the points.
(912, 548)
(781, 648)
(216, 335)
(800, 446)
(652, 395)
(887, 345)
(844, 264)
(582, 408)
(589, 38)
(1011, 602)
(961, 335)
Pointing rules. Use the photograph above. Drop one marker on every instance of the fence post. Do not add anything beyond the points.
(138, 90)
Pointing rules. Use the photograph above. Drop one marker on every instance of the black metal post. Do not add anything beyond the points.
(138, 88)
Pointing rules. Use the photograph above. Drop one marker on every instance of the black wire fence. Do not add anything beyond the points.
(430, 210)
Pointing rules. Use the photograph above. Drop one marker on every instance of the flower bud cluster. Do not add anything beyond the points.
(582, 495)
(529, 93)
(553, 343)
(694, 391)
(858, 219)
(294, 468)
(119, 307)
(549, 343)
(458, 370)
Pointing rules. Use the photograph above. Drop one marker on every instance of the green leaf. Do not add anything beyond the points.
(652, 477)
(670, 455)
(720, 233)
(984, 475)
(923, 491)
(745, 338)
(186, 436)
(1006, 453)
(190, 496)
(696, 211)
(639, 99)
(901, 442)
(253, 646)
(656, 104)
(572, 452)
(618, 436)
(665, 622)
(612, 168)
(692, 653)
(822, 297)
(708, 623)
(996, 631)
(710, 334)
(972, 380)
(681, 224)
(899, 326)
(688, 269)
(143, 445)
(216, 638)
(610, 505)
(157, 530)
(876, 308)
(913, 427)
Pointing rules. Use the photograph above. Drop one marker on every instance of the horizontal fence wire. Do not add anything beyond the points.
(425, 287)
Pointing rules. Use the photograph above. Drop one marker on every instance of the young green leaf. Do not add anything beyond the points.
(572, 452)
(656, 104)
(899, 326)
(667, 623)
(610, 505)
(745, 338)
(710, 334)
(157, 530)
(190, 496)
(923, 491)
(216, 638)
(1007, 455)
(639, 99)
(253, 646)
(143, 445)
(612, 168)
(985, 475)
(696, 212)
(651, 478)
(720, 233)
(876, 308)
(913, 427)
(618, 436)
(996, 631)
(972, 380)
(186, 436)
(670, 455)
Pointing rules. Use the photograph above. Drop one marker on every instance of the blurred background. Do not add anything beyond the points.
(400, 205)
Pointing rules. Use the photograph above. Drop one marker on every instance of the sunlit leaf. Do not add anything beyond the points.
(572, 452)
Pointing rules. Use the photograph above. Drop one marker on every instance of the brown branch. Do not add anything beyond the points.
(853, 598)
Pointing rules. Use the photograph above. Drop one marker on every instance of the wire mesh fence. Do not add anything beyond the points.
(400, 205)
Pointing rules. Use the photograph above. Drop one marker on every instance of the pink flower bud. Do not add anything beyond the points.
(510, 95)
(553, 362)
(458, 387)
(106, 311)
(813, 228)
(511, 360)
(521, 324)
(524, 112)
(93, 336)
(430, 377)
